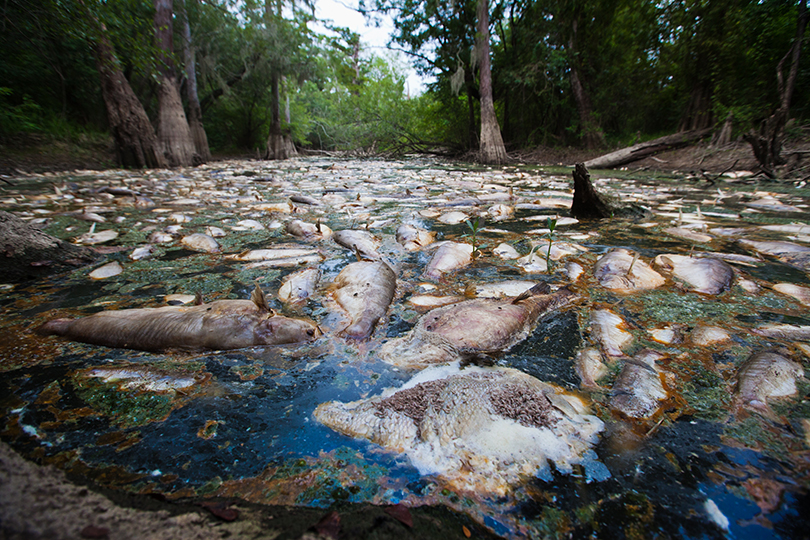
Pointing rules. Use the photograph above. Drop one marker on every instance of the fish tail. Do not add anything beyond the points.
(540, 288)
(56, 327)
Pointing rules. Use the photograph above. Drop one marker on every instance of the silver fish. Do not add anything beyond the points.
(414, 238)
(308, 231)
(764, 375)
(361, 242)
(298, 287)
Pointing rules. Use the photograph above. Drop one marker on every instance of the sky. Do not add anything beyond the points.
(374, 39)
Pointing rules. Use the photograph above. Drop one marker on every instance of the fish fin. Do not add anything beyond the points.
(198, 299)
(258, 298)
(540, 288)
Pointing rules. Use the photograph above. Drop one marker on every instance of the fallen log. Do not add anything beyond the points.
(642, 150)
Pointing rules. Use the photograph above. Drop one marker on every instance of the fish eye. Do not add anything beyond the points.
(310, 332)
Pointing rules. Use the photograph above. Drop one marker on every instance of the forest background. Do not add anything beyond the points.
(256, 79)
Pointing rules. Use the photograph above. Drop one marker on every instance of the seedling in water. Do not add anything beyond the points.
(551, 223)
(475, 226)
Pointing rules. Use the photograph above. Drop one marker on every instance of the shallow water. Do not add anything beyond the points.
(244, 427)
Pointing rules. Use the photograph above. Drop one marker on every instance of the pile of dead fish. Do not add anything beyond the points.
(497, 422)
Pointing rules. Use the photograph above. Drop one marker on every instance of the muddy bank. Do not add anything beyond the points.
(41, 502)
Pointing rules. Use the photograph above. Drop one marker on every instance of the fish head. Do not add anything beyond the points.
(277, 330)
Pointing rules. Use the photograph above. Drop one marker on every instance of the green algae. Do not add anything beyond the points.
(127, 409)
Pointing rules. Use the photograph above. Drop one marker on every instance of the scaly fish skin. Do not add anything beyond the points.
(765, 375)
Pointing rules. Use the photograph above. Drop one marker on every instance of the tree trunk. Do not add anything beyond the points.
(174, 135)
(194, 110)
(592, 133)
(135, 142)
(491, 148)
(767, 143)
(642, 150)
(586, 204)
(279, 144)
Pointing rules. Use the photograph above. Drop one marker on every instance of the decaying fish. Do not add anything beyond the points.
(272, 254)
(298, 287)
(480, 429)
(472, 328)
(362, 242)
(670, 334)
(500, 212)
(608, 329)
(802, 294)
(453, 218)
(224, 324)
(783, 331)
(621, 270)
(795, 255)
(92, 237)
(449, 256)
(414, 238)
(308, 231)
(590, 367)
(428, 301)
(143, 378)
(764, 375)
(142, 252)
(364, 290)
(638, 389)
(201, 242)
(500, 289)
(108, 270)
(708, 335)
(688, 234)
(505, 251)
(704, 275)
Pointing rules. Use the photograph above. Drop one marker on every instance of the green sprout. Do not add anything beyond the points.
(551, 223)
(475, 226)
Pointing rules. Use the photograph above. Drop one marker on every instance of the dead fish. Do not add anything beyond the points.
(783, 331)
(248, 224)
(305, 199)
(670, 334)
(703, 335)
(688, 234)
(472, 328)
(795, 255)
(638, 389)
(574, 270)
(142, 252)
(533, 263)
(215, 232)
(108, 270)
(766, 374)
(91, 238)
(480, 429)
(621, 270)
(140, 378)
(286, 262)
(298, 287)
(364, 290)
(159, 237)
(308, 231)
(607, 328)
(453, 218)
(500, 212)
(220, 325)
(272, 254)
(505, 251)
(361, 242)
(772, 204)
(449, 256)
(85, 215)
(704, 275)
(501, 289)
(414, 238)
(200, 242)
(428, 301)
(590, 367)
(802, 294)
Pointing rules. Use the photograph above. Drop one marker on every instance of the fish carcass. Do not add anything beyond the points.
(703, 274)
(449, 256)
(764, 375)
(364, 290)
(623, 271)
(298, 287)
(480, 429)
(472, 328)
(638, 389)
(607, 329)
(414, 238)
(362, 243)
(219, 325)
